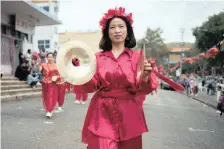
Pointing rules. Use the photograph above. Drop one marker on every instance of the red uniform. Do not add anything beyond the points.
(61, 90)
(49, 88)
(115, 117)
(80, 94)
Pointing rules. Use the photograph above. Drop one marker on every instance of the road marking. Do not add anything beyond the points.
(41, 109)
(48, 122)
(201, 130)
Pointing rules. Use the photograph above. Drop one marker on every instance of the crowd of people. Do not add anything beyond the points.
(210, 85)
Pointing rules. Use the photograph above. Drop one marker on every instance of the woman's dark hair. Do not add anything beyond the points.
(49, 54)
(43, 50)
(105, 42)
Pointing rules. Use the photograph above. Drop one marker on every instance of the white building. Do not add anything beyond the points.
(18, 22)
(47, 36)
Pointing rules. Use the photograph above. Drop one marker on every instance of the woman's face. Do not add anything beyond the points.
(117, 31)
(50, 58)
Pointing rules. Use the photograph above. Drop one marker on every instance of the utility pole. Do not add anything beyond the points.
(182, 45)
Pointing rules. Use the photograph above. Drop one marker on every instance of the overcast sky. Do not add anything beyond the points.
(171, 16)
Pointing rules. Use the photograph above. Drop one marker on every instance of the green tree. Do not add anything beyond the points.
(154, 45)
(209, 34)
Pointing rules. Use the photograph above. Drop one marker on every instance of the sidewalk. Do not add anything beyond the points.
(209, 100)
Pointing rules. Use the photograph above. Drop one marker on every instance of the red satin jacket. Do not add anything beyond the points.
(115, 111)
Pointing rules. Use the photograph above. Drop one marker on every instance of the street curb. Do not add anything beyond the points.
(208, 104)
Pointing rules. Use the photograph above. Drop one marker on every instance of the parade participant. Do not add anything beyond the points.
(142, 99)
(61, 90)
(68, 87)
(49, 87)
(81, 96)
(115, 117)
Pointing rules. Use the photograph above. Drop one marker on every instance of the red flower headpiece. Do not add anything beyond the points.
(115, 12)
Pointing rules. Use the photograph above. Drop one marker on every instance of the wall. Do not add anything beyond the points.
(26, 46)
(47, 32)
(4, 19)
(174, 58)
(92, 39)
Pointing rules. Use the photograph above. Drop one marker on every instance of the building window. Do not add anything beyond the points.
(43, 44)
(46, 8)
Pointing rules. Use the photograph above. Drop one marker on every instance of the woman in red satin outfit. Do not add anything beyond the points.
(49, 84)
(115, 117)
(81, 96)
(61, 91)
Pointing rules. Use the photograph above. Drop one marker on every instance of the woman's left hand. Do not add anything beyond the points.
(147, 68)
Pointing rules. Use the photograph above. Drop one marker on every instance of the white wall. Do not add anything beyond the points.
(26, 46)
(47, 32)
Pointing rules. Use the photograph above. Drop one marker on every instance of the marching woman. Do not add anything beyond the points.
(81, 96)
(115, 117)
(61, 90)
(68, 86)
(49, 86)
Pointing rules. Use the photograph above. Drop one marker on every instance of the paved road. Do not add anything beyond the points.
(174, 121)
(209, 100)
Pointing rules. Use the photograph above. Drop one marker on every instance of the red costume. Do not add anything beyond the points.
(80, 94)
(61, 90)
(68, 87)
(52, 92)
(49, 88)
(115, 117)
(77, 89)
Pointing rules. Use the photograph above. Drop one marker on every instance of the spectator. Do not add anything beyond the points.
(29, 56)
(21, 58)
(43, 55)
(34, 70)
(55, 54)
(221, 103)
(22, 71)
(219, 89)
(32, 81)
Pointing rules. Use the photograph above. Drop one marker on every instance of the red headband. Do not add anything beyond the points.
(115, 12)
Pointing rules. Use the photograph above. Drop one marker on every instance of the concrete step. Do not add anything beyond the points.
(11, 87)
(9, 78)
(12, 82)
(5, 74)
(20, 91)
(20, 96)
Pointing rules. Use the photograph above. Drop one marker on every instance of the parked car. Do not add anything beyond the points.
(165, 86)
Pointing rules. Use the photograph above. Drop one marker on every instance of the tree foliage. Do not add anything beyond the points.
(209, 34)
(154, 44)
